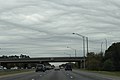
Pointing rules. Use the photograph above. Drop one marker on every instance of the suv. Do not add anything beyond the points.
(40, 67)
(68, 67)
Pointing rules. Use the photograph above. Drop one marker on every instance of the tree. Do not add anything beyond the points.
(113, 53)
(108, 65)
(24, 56)
(94, 61)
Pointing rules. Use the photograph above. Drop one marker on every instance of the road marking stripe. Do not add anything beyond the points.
(71, 77)
(40, 75)
(67, 74)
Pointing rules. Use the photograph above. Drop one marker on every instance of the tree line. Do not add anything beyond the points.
(108, 61)
(14, 57)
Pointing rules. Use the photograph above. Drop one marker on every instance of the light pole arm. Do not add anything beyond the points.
(79, 34)
(71, 48)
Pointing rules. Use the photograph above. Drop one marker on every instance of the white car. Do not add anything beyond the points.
(14, 68)
(1, 68)
(57, 68)
(4, 68)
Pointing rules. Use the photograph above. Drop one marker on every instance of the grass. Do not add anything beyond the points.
(110, 73)
(7, 72)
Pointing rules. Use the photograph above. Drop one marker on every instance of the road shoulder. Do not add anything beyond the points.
(92, 74)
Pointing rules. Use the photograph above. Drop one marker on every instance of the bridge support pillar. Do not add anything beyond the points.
(80, 64)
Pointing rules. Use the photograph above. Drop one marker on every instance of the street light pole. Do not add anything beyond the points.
(87, 44)
(75, 53)
(72, 49)
(101, 46)
(106, 43)
(84, 50)
(83, 46)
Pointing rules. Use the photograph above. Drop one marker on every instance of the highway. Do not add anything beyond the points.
(58, 75)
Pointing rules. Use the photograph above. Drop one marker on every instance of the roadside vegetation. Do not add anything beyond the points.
(9, 72)
(109, 73)
(116, 73)
(108, 61)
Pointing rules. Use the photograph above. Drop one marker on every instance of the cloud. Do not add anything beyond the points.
(45, 27)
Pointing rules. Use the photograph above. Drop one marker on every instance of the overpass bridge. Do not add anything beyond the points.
(80, 60)
(42, 59)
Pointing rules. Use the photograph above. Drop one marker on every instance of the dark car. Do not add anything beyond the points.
(40, 67)
(57, 68)
(68, 67)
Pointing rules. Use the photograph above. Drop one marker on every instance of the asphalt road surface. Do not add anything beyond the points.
(59, 75)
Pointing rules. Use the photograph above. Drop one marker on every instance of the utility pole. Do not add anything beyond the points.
(75, 53)
(106, 43)
(87, 44)
(84, 50)
(101, 46)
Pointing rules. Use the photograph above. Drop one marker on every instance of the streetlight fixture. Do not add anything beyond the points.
(72, 49)
(83, 45)
(67, 54)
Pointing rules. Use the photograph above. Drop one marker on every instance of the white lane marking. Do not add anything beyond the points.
(33, 79)
(67, 74)
(40, 75)
(71, 77)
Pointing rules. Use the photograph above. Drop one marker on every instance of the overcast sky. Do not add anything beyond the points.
(42, 28)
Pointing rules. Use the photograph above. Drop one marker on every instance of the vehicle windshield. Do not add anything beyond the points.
(68, 66)
(80, 37)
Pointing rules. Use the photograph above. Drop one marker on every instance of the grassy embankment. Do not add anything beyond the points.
(116, 73)
(7, 72)
(110, 73)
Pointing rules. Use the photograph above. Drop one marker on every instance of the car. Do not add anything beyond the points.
(68, 67)
(48, 67)
(61, 67)
(1, 67)
(57, 68)
(4, 68)
(40, 67)
(14, 68)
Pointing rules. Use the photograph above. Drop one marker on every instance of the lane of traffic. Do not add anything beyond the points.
(56, 75)
(26, 76)
(73, 76)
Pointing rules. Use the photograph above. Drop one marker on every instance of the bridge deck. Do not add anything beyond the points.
(46, 59)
